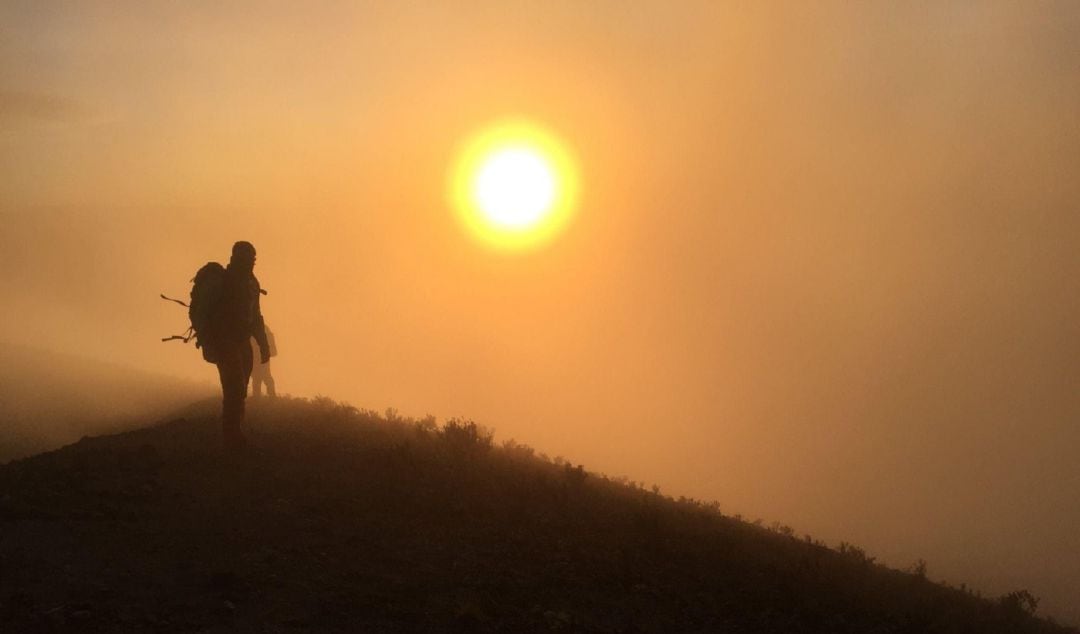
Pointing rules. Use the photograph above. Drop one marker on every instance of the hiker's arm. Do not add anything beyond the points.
(260, 338)
(259, 329)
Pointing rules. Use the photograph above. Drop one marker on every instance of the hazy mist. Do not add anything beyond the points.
(50, 399)
(825, 268)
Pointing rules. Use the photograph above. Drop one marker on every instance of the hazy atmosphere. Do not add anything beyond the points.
(824, 265)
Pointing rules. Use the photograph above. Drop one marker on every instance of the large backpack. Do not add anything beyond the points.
(203, 310)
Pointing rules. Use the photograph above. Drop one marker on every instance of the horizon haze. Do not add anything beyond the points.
(823, 264)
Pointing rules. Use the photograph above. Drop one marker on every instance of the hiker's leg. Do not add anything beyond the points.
(268, 377)
(233, 391)
(246, 363)
(256, 384)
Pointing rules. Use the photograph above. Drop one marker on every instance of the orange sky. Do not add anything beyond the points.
(824, 266)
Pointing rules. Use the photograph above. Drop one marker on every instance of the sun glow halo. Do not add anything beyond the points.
(514, 185)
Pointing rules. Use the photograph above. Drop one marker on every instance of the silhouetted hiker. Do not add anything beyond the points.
(238, 319)
(260, 372)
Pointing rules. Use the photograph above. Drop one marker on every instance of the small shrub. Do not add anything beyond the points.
(782, 529)
(1019, 603)
(466, 435)
(426, 426)
(574, 475)
(517, 451)
(855, 553)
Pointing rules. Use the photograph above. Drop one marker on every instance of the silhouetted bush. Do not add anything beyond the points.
(574, 475)
(855, 553)
(1019, 603)
(466, 435)
(518, 451)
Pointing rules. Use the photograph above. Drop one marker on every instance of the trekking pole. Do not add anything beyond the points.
(163, 296)
(188, 335)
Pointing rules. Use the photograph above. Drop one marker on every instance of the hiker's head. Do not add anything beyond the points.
(243, 254)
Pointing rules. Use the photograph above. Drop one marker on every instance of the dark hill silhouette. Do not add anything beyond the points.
(342, 520)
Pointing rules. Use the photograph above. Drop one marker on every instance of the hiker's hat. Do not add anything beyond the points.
(243, 250)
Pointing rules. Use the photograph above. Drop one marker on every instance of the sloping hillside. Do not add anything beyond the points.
(49, 399)
(341, 520)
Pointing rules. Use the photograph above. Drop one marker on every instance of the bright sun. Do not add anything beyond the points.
(514, 185)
